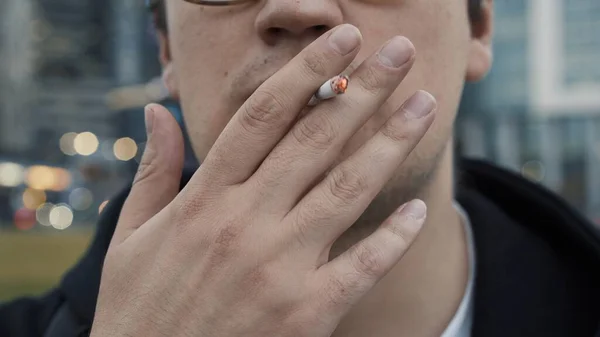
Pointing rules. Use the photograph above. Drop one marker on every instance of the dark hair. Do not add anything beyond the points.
(160, 13)
(475, 7)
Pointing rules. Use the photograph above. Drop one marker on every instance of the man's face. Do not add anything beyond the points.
(222, 54)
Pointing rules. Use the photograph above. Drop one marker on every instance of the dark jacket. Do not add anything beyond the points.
(538, 266)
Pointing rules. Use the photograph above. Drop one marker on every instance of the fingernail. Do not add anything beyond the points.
(419, 105)
(415, 209)
(396, 52)
(149, 120)
(345, 39)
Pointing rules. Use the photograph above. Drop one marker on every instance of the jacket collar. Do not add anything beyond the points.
(538, 261)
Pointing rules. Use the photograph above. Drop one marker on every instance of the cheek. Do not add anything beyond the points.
(204, 117)
(203, 71)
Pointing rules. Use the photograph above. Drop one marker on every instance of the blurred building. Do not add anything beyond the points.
(538, 111)
(60, 58)
(581, 43)
(507, 86)
(546, 59)
(16, 73)
(66, 55)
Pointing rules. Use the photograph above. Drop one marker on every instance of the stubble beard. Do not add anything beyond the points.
(408, 184)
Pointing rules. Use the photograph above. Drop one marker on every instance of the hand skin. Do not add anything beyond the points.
(243, 249)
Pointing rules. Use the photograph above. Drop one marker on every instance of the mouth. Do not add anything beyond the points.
(248, 83)
(249, 77)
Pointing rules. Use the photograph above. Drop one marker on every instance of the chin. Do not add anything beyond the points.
(413, 179)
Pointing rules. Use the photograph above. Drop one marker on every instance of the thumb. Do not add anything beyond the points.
(158, 178)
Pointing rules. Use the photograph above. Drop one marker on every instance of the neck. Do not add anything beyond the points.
(421, 294)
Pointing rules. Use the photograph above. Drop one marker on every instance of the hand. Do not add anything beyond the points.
(243, 249)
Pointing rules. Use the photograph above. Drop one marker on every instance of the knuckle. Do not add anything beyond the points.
(372, 81)
(337, 293)
(185, 210)
(276, 167)
(395, 130)
(227, 236)
(183, 216)
(315, 132)
(400, 234)
(147, 168)
(315, 64)
(256, 278)
(262, 111)
(367, 261)
(221, 247)
(305, 222)
(346, 185)
(226, 241)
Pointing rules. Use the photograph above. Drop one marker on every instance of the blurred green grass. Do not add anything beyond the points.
(32, 263)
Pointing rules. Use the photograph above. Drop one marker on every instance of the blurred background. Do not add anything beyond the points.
(75, 75)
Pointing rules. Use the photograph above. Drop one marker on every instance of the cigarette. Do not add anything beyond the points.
(334, 87)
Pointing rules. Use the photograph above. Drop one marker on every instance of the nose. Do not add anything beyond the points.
(298, 19)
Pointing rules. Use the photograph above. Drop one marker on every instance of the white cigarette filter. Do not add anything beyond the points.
(334, 87)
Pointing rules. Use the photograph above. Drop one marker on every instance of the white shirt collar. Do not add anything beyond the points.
(460, 325)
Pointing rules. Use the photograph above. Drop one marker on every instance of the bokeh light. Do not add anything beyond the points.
(81, 199)
(24, 219)
(86, 143)
(32, 199)
(534, 170)
(67, 143)
(48, 178)
(11, 174)
(61, 217)
(40, 177)
(125, 149)
(42, 214)
(62, 179)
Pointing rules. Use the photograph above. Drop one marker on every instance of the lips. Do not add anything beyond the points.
(253, 76)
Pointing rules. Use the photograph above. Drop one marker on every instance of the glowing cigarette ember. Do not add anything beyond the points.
(334, 87)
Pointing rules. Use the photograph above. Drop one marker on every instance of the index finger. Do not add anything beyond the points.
(268, 114)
